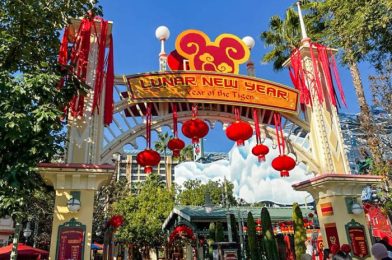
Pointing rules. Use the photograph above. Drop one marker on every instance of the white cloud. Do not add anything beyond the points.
(253, 181)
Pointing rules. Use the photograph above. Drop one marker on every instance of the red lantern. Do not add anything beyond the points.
(284, 164)
(239, 131)
(116, 221)
(260, 150)
(195, 129)
(148, 159)
(176, 144)
(258, 229)
(245, 229)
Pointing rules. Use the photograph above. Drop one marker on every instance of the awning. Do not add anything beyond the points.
(24, 252)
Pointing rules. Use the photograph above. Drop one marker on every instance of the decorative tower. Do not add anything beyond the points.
(335, 191)
(76, 181)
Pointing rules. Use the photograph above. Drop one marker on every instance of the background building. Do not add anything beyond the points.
(354, 137)
(129, 169)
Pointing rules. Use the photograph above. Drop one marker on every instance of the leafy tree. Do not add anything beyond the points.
(31, 106)
(269, 242)
(362, 30)
(234, 228)
(103, 205)
(283, 36)
(193, 192)
(349, 25)
(299, 231)
(161, 144)
(252, 239)
(219, 235)
(186, 153)
(144, 214)
(211, 238)
(381, 86)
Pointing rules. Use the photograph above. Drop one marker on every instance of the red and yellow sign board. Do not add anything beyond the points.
(210, 87)
(358, 243)
(225, 54)
(326, 209)
(332, 235)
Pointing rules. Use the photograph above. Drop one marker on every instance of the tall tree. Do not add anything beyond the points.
(252, 239)
(31, 106)
(193, 192)
(269, 242)
(219, 235)
(211, 238)
(337, 23)
(186, 153)
(362, 30)
(299, 231)
(144, 214)
(283, 36)
(161, 144)
(234, 228)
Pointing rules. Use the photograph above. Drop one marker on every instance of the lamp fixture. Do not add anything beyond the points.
(356, 209)
(73, 203)
(208, 206)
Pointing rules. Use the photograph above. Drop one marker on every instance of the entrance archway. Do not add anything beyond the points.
(312, 133)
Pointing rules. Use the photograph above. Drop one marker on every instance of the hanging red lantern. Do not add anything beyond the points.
(176, 144)
(284, 164)
(245, 229)
(258, 229)
(239, 131)
(195, 128)
(260, 150)
(148, 159)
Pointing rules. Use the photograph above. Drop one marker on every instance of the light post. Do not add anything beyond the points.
(162, 33)
(230, 235)
(116, 158)
(27, 232)
(240, 227)
(208, 206)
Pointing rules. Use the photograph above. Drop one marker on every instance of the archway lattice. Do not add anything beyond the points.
(129, 124)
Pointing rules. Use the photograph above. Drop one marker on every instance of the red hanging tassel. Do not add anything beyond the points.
(108, 110)
(174, 111)
(148, 126)
(63, 54)
(324, 61)
(99, 70)
(257, 126)
(279, 133)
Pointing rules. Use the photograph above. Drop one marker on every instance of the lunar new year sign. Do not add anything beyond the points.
(212, 87)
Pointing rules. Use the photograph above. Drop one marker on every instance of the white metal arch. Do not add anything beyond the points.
(297, 142)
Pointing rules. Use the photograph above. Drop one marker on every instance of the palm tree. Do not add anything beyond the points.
(186, 153)
(161, 144)
(283, 35)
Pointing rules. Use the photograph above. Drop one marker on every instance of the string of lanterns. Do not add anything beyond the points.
(238, 131)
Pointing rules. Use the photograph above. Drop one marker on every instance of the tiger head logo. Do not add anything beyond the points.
(223, 55)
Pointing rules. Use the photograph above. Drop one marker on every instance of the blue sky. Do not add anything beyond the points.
(136, 48)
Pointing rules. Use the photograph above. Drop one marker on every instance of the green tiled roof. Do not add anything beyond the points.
(198, 213)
